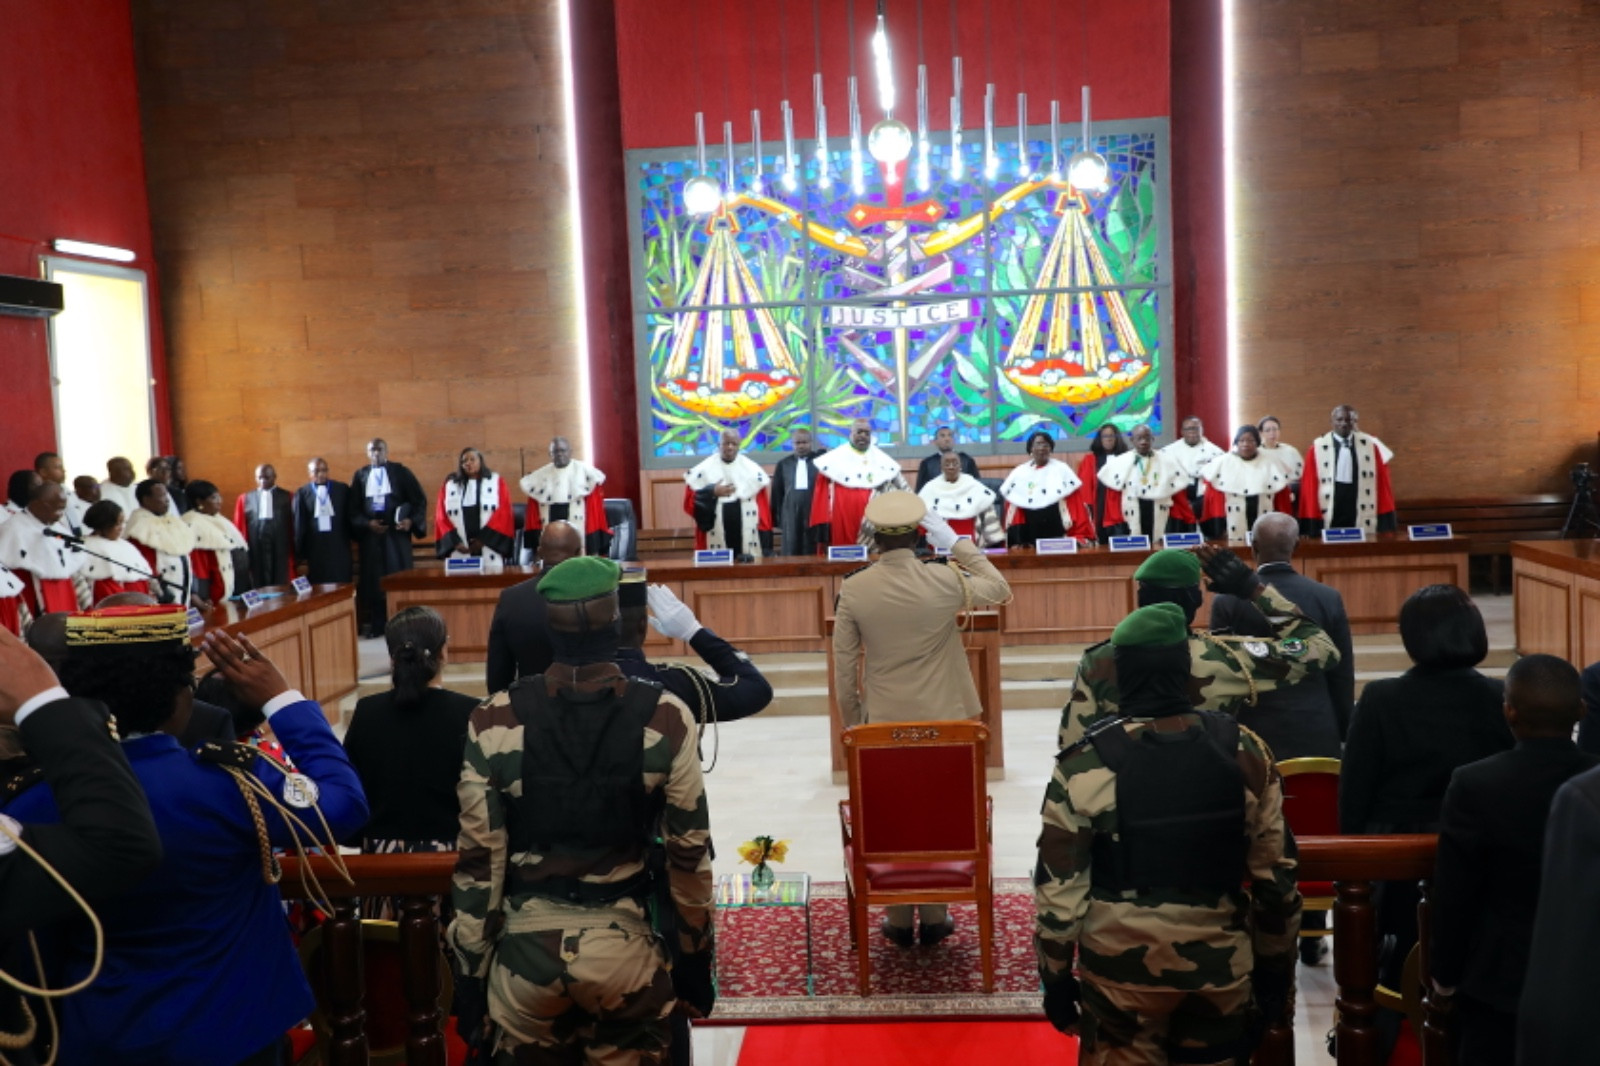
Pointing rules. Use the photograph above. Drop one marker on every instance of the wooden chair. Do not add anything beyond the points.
(387, 1019)
(1311, 807)
(917, 827)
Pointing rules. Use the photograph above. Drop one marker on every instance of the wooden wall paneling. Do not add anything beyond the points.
(285, 646)
(1374, 589)
(783, 616)
(1542, 606)
(335, 655)
(467, 613)
(1588, 612)
(1054, 607)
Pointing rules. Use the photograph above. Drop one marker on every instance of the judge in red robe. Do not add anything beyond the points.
(217, 543)
(1103, 502)
(44, 564)
(1346, 480)
(1042, 497)
(472, 515)
(727, 496)
(116, 565)
(567, 490)
(847, 478)
(1241, 485)
(10, 602)
(963, 501)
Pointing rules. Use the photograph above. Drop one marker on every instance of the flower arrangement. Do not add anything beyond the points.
(760, 851)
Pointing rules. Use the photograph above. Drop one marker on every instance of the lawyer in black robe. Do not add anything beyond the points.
(791, 496)
(322, 528)
(269, 535)
(383, 497)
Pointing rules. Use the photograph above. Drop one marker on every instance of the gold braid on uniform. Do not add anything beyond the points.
(705, 712)
(1227, 644)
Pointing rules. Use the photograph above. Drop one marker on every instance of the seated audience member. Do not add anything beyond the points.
(219, 547)
(18, 486)
(405, 744)
(265, 517)
(165, 540)
(201, 944)
(965, 502)
(1491, 846)
(1409, 734)
(1589, 726)
(104, 841)
(32, 547)
(737, 691)
(1042, 497)
(1555, 1017)
(1103, 503)
(519, 643)
(118, 485)
(122, 568)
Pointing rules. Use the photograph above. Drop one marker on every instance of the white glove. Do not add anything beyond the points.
(669, 615)
(940, 535)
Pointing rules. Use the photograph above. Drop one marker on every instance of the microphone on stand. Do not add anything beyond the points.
(76, 542)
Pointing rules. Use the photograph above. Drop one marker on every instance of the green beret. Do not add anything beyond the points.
(582, 578)
(1170, 568)
(1152, 626)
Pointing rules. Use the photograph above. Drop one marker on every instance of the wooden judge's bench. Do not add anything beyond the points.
(310, 638)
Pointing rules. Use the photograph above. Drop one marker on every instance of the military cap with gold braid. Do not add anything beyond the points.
(115, 626)
(896, 512)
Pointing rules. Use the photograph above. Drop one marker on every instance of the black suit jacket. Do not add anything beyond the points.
(1313, 717)
(739, 692)
(1491, 845)
(1589, 727)
(519, 643)
(928, 469)
(105, 841)
(326, 555)
(1554, 1023)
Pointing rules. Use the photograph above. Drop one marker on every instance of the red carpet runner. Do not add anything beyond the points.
(957, 1043)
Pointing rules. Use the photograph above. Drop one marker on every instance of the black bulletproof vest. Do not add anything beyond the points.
(583, 769)
(1180, 809)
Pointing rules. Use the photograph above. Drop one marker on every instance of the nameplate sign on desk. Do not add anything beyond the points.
(1056, 546)
(252, 599)
(847, 553)
(301, 585)
(714, 557)
(1353, 535)
(195, 618)
(459, 565)
(1140, 543)
(1439, 531)
(1181, 540)
(946, 551)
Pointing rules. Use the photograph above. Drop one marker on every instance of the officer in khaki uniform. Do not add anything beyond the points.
(899, 615)
(1151, 824)
(1225, 672)
(568, 778)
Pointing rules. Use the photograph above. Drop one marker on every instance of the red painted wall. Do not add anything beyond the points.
(74, 167)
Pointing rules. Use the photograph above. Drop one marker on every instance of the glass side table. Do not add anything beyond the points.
(787, 890)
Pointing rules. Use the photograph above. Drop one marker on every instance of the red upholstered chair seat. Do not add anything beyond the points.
(913, 876)
(1315, 889)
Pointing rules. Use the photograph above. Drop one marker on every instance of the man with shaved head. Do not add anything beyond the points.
(519, 642)
(567, 490)
(1346, 480)
(848, 477)
(727, 496)
(265, 517)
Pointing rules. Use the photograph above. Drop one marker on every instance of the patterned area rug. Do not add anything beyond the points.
(761, 964)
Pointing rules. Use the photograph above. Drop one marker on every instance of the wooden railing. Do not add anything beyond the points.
(1353, 863)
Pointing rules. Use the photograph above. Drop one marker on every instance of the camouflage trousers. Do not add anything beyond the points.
(1156, 1026)
(566, 996)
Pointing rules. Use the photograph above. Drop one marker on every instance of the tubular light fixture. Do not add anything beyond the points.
(924, 177)
(1055, 140)
(991, 161)
(881, 65)
(93, 251)
(730, 191)
(790, 161)
(957, 168)
(756, 182)
(1023, 170)
(1088, 169)
(701, 193)
(858, 176)
(824, 178)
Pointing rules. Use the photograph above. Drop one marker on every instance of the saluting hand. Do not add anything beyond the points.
(251, 675)
(23, 675)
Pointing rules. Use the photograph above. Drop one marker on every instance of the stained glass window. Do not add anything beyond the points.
(998, 303)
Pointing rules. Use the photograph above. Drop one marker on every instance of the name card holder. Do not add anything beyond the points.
(252, 599)
(1056, 546)
(947, 551)
(1140, 543)
(714, 557)
(195, 618)
(1439, 531)
(463, 565)
(847, 553)
(1181, 540)
(301, 586)
(1352, 535)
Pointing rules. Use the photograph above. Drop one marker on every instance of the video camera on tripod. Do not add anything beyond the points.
(1581, 516)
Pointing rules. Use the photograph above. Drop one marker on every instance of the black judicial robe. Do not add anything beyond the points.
(326, 554)
(791, 508)
(390, 552)
(270, 540)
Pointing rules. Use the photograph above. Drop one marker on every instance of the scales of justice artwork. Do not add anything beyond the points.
(974, 287)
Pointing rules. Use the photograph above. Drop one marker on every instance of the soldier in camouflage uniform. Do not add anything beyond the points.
(1144, 846)
(552, 889)
(1226, 671)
